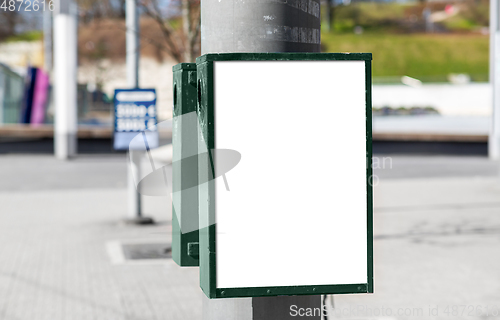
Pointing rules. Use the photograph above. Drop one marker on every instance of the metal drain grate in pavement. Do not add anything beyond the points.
(139, 252)
(146, 251)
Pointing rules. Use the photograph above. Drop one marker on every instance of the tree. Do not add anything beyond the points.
(10, 19)
(182, 44)
(90, 10)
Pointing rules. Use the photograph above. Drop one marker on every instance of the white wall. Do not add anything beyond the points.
(451, 100)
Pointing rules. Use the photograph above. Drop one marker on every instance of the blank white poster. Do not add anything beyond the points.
(296, 212)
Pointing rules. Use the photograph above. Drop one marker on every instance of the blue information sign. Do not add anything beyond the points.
(135, 113)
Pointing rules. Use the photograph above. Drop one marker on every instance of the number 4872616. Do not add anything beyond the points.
(27, 5)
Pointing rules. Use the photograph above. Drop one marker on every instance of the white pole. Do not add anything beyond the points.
(134, 197)
(65, 73)
(494, 138)
(132, 57)
(132, 45)
(2, 94)
(47, 40)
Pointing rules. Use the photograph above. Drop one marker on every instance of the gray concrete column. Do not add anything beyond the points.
(65, 79)
(259, 26)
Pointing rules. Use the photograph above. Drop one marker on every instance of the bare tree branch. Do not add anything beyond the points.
(166, 28)
(181, 44)
(196, 27)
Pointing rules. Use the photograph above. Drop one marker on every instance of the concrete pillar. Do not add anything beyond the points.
(259, 26)
(65, 79)
(494, 138)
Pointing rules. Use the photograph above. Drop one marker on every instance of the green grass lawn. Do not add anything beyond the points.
(427, 57)
(26, 36)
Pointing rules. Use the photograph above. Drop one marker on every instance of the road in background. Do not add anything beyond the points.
(406, 167)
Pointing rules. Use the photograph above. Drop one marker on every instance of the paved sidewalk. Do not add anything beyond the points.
(437, 251)
(53, 258)
(437, 243)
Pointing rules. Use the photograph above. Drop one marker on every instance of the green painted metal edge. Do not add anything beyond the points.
(183, 172)
(291, 290)
(206, 190)
(369, 174)
(308, 56)
(184, 66)
(207, 214)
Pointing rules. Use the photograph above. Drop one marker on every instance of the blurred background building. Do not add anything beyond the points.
(430, 67)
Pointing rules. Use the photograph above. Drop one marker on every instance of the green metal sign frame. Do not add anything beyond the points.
(207, 235)
(184, 168)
